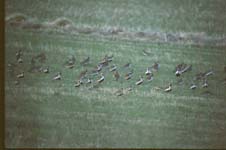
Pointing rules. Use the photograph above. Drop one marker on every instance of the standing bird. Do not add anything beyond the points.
(18, 53)
(179, 67)
(156, 66)
(82, 74)
(169, 88)
(208, 73)
(45, 70)
(21, 75)
(140, 81)
(148, 71)
(129, 75)
(18, 56)
(20, 60)
(193, 86)
(99, 68)
(104, 61)
(70, 62)
(149, 77)
(116, 75)
(78, 83)
(57, 76)
(69, 66)
(182, 68)
(89, 81)
(101, 78)
(129, 88)
(178, 73)
(145, 53)
(205, 84)
(186, 68)
(109, 58)
(113, 68)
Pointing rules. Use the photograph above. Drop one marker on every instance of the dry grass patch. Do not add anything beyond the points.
(60, 22)
(16, 19)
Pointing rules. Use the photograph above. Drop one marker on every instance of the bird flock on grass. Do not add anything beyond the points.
(96, 76)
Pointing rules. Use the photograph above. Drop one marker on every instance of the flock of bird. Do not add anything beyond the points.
(96, 76)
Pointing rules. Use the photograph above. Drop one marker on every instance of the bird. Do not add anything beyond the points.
(199, 76)
(94, 72)
(89, 80)
(169, 88)
(57, 76)
(145, 53)
(69, 66)
(78, 83)
(148, 71)
(178, 69)
(178, 73)
(85, 61)
(182, 68)
(129, 75)
(83, 73)
(101, 78)
(99, 67)
(157, 88)
(205, 84)
(140, 81)
(18, 54)
(71, 60)
(35, 69)
(20, 75)
(149, 77)
(156, 66)
(109, 58)
(129, 88)
(186, 68)
(45, 70)
(113, 68)
(208, 73)
(193, 86)
(20, 60)
(119, 92)
(104, 61)
(16, 82)
(202, 75)
(116, 75)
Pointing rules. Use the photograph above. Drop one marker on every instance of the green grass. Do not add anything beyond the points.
(166, 16)
(45, 113)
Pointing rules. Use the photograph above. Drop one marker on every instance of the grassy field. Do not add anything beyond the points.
(44, 113)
